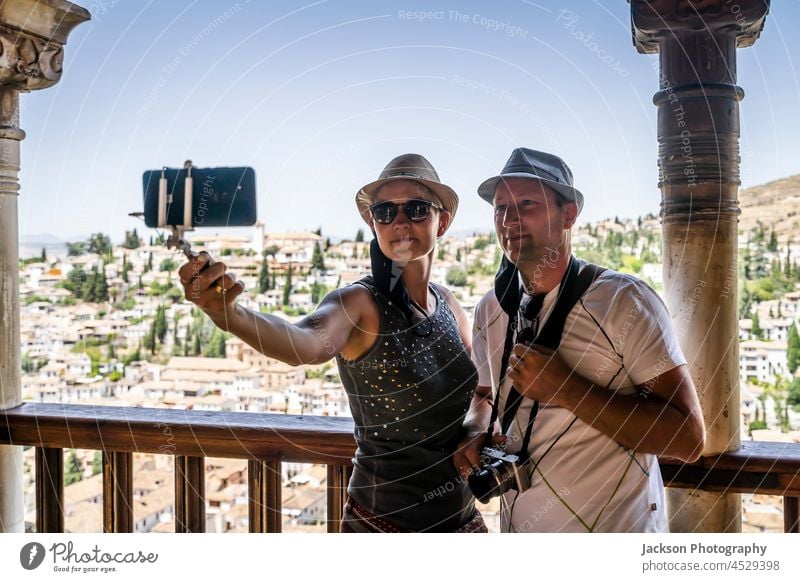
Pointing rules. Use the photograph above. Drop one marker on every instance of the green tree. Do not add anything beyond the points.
(175, 340)
(75, 249)
(112, 350)
(136, 356)
(88, 287)
(161, 323)
(756, 330)
(99, 244)
(168, 265)
(287, 286)
(72, 469)
(456, 276)
(317, 260)
(755, 257)
(745, 300)
(263, 275)
(150, 339)
(75, 281)
(100, 284)
(793, 397)
(757, 425)
(44, 255)
(360, 235)
(793, 349)
(97, 463)
(132, 240)
(216, 344)
(196, 344)
(772, 245)
(318, 291)
(126, 267)
(481, 243)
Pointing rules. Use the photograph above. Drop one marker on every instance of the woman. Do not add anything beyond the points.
(402, 348)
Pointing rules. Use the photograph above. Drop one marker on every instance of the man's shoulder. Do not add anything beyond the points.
(488, 304)
(614, 298)
(613, 285)
(488, 310)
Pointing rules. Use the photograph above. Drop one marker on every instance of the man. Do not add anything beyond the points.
(614, 395)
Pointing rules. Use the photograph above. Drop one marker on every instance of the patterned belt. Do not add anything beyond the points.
(379, 524)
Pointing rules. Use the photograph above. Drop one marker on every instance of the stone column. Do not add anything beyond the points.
(32, 36)
(698, 151)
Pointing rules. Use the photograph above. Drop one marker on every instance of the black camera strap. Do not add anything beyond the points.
(573, 286)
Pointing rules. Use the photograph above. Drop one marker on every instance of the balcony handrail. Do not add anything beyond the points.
(191, 433)
(266, 440)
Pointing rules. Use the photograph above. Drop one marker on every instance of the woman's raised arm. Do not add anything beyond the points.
(315, 339)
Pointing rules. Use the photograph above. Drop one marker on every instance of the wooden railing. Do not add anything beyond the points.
(266, 440)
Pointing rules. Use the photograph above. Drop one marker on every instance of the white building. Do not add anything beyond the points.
(763, 361)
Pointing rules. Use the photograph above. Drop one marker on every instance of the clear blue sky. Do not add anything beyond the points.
(318, 96)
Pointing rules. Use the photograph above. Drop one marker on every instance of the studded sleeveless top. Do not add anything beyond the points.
(409, 395)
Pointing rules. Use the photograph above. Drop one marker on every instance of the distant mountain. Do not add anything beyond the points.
(31, 245)
(776, 204)
(44, 238)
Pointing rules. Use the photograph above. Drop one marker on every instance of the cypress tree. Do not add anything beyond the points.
(72, 470)
(263, 276)
(287, 286)
(793, 349)
(317, 260)
(756, 330)
(161, 323)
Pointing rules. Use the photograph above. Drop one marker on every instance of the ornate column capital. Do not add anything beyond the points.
(654, 20)
(32, 38)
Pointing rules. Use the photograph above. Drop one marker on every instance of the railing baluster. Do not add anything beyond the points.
(49, 490)
(274, 496)
(264, 487)
(190, 494)
(117, 492)
(791, 514)
(338, 477)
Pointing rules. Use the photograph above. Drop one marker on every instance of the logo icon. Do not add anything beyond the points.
(31, 555)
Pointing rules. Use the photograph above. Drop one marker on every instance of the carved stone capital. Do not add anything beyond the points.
(28, 62)
(32, 38)
(653, 20)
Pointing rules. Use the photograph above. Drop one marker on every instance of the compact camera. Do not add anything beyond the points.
(499, 472)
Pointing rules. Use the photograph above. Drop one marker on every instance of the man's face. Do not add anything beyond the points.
(528, 219)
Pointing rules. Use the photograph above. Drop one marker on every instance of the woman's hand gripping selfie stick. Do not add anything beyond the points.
(175, 239)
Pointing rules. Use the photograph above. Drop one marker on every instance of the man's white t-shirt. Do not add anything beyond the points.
(618, 335)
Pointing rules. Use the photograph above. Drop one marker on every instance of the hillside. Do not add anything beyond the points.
(777, 204)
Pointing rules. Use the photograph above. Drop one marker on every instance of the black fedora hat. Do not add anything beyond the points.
(534, 165)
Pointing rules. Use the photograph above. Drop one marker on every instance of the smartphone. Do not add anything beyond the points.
(219, 197)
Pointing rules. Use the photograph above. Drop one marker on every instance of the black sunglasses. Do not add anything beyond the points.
(415, 210)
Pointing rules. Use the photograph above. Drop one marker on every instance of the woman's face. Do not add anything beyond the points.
(404, 240)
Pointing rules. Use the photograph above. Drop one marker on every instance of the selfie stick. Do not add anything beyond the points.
(176, 239)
